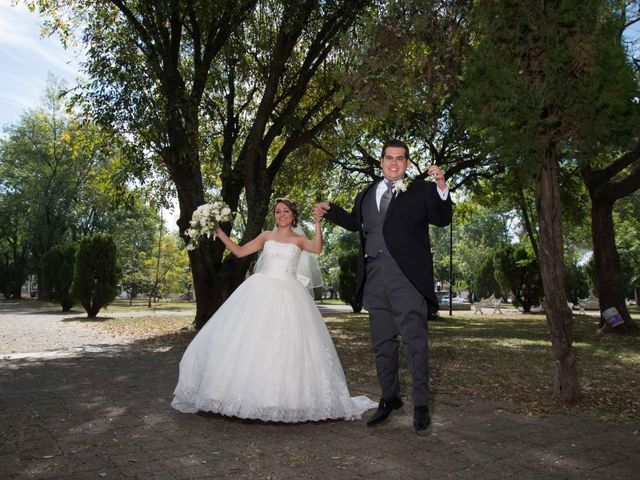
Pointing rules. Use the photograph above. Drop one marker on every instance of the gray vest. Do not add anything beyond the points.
(372, 223)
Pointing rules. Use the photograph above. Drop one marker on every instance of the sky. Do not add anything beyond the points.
(26, 59)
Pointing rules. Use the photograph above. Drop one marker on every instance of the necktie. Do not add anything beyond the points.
(386, 198)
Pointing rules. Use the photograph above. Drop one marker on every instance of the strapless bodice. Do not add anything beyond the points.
(280, 259)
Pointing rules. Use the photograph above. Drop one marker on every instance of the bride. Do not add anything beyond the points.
(266, 353)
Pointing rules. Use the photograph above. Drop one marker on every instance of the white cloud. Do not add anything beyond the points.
(26, 59)
(20, 36)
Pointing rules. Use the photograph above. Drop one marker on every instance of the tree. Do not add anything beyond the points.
(95, 280)
(628, 238)
(518, 273)
(527, 86)
(165, 266)
(167, 49)
(406, 86)
(278, 93)
(482, 280)
(14, 246)
(48, 163)
(348, 262)
(186, 63)
(479, 226)
(58, 266)
(609, 156)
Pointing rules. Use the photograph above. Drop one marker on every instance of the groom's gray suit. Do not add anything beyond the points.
(395, 277)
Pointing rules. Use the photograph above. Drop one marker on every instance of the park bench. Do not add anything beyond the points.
(589, 303)
(489, 302)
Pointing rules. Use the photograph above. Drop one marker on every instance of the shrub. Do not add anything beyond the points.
(348, 262)
(95, 282)
(517, 271)
(58, 269)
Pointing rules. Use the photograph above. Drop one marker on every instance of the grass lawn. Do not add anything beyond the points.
(503, 358)
(140, 304)
(330, 301)
(509, 358)
(118, 305)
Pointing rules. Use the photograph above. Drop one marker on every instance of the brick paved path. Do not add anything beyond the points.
(106, 414)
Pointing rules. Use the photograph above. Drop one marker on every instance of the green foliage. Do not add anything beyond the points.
(627, 228)
(577, 283)
(96, 274)
(58, 266)
(476, 231)
(517, 272)
(590, 270)
(481, 276)
(348, 262)
(404, 82)
(61, 179)
(166, 267)
(12, 275)
(551, 65)
(13, 241)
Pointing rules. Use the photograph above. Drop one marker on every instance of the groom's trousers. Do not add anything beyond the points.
(395, 308)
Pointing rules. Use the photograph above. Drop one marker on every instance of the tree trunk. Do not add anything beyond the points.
(205, 259)
(17, 292)
(637, 290)
(524, 208)
(154, 289)
(44, 293)
(608, 271)
(90, 308)
(552, 270)
(184, 167)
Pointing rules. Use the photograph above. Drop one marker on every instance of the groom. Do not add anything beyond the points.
(395, 272)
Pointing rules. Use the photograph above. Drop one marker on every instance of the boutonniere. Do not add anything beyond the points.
(400, 185)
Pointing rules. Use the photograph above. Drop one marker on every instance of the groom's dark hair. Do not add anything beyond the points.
(395, 143)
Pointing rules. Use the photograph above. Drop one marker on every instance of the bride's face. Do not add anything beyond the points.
(283, 215)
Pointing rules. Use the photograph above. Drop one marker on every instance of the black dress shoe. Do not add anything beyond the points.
(421, 419)
(385, 407)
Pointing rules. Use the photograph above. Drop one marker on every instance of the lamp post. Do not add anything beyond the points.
(451, 266)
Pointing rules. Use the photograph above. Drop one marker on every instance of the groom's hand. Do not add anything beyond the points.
(321, 209)
(438, 176)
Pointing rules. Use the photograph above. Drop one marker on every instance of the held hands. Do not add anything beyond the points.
(320, 210)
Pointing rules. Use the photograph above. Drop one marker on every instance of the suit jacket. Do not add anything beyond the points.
(406, 233)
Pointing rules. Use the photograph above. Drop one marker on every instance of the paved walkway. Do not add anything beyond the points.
(104, 413)
(25, 331)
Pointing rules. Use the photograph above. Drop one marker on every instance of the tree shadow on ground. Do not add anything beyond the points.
(86, 319)
(109, 412)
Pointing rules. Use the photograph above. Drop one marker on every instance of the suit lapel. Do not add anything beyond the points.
(360, 200)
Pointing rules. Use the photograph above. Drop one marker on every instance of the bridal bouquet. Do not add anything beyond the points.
(204, 221)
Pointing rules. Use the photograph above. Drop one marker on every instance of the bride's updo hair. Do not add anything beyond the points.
(291, 205)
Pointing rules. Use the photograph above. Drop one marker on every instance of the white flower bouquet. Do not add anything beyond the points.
(204, 220)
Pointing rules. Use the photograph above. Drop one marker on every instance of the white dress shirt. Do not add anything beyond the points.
(382, 187)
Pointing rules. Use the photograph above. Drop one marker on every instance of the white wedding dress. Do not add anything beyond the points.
(266, 353)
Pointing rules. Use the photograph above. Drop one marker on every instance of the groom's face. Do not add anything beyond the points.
(394, 163)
